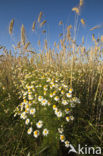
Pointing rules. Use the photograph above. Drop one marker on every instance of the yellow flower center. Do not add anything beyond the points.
(36, 132)
(62, 137)
(54, 106)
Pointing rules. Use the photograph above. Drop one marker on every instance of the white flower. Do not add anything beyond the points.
(60, 88)
(54, 93)
(67, 144)
(67, 111)
(36, 133)
(71, 117)
(59, 114)
(30, 103)
(44, 102)
(45, 132)
(67, 118)
(27, 121)
(62, 138)
(23, 115)
(65, 86)
(60, 130)
(56, 98)
(40, 98)
(25, 102)
(64, 102)
(54, 107)
(70, 90)
(75, 99)
(30, 97)
(39, 124)
(68, 95)
(27, 107)
(51, 95)
(32, 111)
(48, 80)
(30, 130)
(25, 93)
(62, 92)
(45, 88)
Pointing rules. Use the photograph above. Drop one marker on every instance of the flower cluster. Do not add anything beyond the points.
(47, 103)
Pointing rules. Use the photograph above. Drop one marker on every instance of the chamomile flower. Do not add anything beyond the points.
(67, 143)
(32, 111)
(75, 99)
(48, 80)
(30, 103)
(36, 133)
(51, 95)
(30, 130)
(25, 101)
(45, 132)
(60, 130)
(25, 93)
(60, 88)
(65, 86)
(67, 118)
(27, 106)
(69, 95)
(62, 92)
(64, 102)
(23, 115)
(54, 92)
(59, 114)
(56, 98)
(45, 88)
(30, 97)
(70, 90)
(39, 124)
(62, 138)
(44, 102)
(54, 107)
(40, 98)
(27, 121)
(67, 111)
(71, 117)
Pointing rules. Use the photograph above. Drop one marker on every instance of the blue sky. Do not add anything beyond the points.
(26, 11)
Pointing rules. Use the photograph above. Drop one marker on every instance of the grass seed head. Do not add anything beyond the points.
(26, 45)
(82, 21)
(41, 24)
(76, 10)
(22, 34)
(39, 17)
(11, 26)
(33, 26)
(81, 3)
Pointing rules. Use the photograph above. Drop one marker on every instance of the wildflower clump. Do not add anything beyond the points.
(46, 106)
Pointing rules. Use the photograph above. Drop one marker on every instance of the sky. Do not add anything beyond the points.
(26, 11)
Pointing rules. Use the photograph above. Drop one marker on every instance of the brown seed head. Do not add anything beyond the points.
(39, 17)
(11, 26)
(22, 34)
(33, 26)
